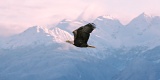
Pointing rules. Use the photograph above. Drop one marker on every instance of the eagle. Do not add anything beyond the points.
(82, 34)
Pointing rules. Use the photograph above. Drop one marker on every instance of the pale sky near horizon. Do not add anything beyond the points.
(17, 15)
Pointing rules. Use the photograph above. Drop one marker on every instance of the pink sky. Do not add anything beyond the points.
(17, 15)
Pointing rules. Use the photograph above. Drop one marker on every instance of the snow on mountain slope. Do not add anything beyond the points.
(110, 60)
(142, 30)
(37, 36)
(108, 24)
(107, 29)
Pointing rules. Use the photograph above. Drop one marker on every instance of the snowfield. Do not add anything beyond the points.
(123, 52)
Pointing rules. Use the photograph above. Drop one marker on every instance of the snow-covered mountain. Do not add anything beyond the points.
(37, 35)
(142, 30)
(123, 52)
(107, 29)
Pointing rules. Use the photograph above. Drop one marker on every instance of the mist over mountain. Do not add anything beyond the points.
(123, 52)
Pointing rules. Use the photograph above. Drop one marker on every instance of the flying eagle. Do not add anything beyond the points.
(81, 35)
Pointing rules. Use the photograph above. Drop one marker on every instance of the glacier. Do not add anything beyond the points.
(123, 52)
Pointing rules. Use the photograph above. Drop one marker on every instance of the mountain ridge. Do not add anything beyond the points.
(122, 53)
(109, 31)
(37, 35)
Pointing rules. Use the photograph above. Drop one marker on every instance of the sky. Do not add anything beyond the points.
(18, 15)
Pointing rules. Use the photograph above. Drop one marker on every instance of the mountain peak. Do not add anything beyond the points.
(36, 29)
(142, 19)
(65, 21)
(144, 15)
(107, 20)
(106, 17)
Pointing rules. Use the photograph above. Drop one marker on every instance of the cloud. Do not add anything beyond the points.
(92, 11)
(17, 15)
(32, 11)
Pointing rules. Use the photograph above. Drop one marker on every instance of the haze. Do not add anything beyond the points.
(17, 15)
